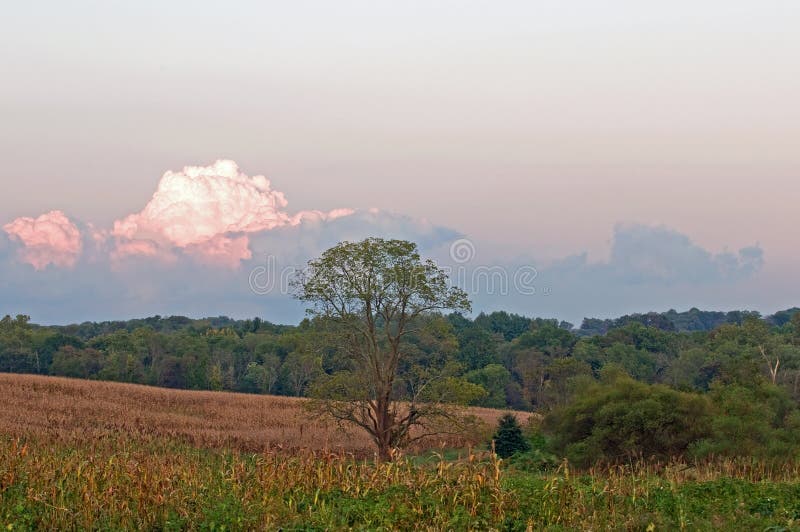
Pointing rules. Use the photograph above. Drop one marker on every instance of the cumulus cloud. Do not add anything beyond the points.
(649, 268)
(642, 254)
(222, 250)
(143, 285)
(208, 211)
(294, 245)
(49, 239)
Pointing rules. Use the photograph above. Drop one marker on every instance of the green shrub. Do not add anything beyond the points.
(509, 438)
(620, 419)
(758, 421)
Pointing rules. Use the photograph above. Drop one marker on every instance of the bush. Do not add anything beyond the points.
(538, 458)
(620, 419)
(758, 421)
(509, 438)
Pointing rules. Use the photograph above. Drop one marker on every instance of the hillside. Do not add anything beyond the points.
(78, 410)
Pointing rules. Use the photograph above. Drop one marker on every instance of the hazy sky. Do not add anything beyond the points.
(532, 128)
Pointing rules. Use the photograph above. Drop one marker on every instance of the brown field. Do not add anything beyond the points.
(80, 411)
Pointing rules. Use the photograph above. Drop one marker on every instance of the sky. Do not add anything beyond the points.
(635, 155)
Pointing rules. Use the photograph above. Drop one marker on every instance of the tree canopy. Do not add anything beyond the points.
(372, 296)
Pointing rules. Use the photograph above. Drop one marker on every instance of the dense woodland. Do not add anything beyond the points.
(720, 383)
(522, 363)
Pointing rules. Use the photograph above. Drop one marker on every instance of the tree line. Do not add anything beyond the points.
(521, 363)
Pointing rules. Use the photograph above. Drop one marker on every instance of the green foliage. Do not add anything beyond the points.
(494, 378)
(631, 499)
(477, 348)
(692, 370)
(507, 326)
(79, 363)
(16, 346)
(454, 390)
(377, 299)
(262, 377)
(689, 321)
(509, 439)
(548, 338)
(300, 369)
(636, 362)
(563, 376)
(758, 421)
(539, 457)
(620, 419)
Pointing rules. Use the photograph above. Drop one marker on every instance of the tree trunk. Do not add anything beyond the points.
(383, 438)
(773, 368)
(384, 452)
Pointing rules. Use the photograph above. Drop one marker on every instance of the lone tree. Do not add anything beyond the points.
(371, 296)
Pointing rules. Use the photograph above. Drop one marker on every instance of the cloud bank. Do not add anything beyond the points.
(193, 248)
(189, 250)
(642, 254)
(648, 268)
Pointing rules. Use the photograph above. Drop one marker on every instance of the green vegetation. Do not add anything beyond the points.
(622, 420)
(162, 485)
(541, 358)
(509, 439)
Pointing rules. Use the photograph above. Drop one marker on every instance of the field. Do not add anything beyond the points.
(70, 410)
(90, 455)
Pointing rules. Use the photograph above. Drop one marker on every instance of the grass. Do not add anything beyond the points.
(94, 469)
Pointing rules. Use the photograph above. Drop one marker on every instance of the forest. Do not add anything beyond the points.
(523, 363)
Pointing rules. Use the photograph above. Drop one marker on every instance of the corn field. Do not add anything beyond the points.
(71, 410)
(163, 485)
(70, 458)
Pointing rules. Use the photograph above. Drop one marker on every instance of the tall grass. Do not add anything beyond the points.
(168, 485)
(712, 495)
(164, 485)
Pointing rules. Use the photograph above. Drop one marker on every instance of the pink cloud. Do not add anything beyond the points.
(339, 213)
(222, 251)
(319, 216)
(49, 239)
(201, 202)
(135, 247)
(201, 208)
(205, 212)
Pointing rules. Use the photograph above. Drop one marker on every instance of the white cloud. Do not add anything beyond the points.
(209, 211)
(49, 239)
